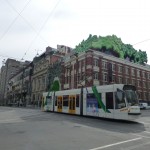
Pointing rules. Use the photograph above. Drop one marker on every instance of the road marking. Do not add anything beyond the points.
(143, 122)
(146, 132)
(136, 146)
(142, 136)
(11, 120)
(114, 144)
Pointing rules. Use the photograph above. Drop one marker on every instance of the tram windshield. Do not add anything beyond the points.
(131, 97)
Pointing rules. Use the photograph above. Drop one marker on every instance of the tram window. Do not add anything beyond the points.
(73, 103)
(49, 100)
(60, 104)
(59, 99)
(56, 101)
(91, 99)
(109, 100)
(120, 100)
(65, 100)
(77, 101)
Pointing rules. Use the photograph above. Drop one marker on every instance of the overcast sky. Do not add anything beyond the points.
(28, 26)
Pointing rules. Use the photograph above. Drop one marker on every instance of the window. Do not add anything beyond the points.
(127, 81)
(79, 77)
(110, 72)
(83, 64)
(120, 100)
(113, 67)
(139, 95)
(133, 72)
(109, 100)
(127, 70)
(34, 84)
(144, 74)
(133, 82)
(65, 100)
(43, 82)
(104, 65)
(105, 77)
(59, 101)
(113, 78)
(65, 80)
(144, 84)
(145, 95)
(49, 100)
(56, 101)
(120, 69)
(139, 83)
(79, 64)
(120, 80)
(138, 73)
(77, 100)
(95, 62)
(39, 84)
(92, 102)
(96, 75)
(83, 76)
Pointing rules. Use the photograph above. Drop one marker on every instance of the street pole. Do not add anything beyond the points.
(21, 100)
(81, 102)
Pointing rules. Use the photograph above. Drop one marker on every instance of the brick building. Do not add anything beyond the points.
(97, 68)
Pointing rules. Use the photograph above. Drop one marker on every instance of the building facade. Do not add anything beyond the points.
(10, 68)
(43, 73)
(96, 68)
(24, 83)
(19, 87)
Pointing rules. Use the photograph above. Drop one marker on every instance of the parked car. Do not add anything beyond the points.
(144, 105)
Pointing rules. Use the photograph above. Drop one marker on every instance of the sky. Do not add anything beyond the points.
(27, 27)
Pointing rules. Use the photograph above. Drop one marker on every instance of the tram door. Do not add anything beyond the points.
(59, 103)
(72, 104)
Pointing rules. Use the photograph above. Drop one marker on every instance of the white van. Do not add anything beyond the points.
(143, 105)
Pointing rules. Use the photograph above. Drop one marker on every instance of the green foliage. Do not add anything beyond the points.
(85, 45)
(55, 86)
(112, 45)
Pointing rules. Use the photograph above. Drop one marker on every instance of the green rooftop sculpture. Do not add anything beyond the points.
(112, 45)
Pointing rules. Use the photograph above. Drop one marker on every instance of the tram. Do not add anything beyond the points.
(116, 101)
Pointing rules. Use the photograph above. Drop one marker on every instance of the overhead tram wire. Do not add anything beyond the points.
(50, 14)
(6, 31)
(27, 22)
(141, 42)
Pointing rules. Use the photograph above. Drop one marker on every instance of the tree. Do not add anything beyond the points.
(55, 86)
(112, 45)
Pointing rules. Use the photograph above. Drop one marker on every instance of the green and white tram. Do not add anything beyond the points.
(116, 101)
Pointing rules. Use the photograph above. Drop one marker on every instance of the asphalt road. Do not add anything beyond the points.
(32, 129)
